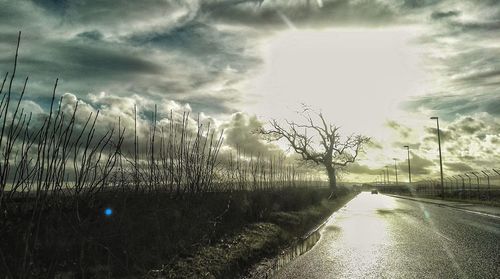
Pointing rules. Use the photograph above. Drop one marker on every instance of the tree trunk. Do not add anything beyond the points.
(332, 178)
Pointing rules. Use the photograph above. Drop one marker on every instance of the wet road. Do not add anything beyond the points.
(377, 236)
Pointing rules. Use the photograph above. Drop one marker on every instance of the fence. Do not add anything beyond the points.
(479, 185)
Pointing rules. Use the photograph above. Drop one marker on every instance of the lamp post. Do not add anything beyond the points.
(396, 170)
(440, 157)
(409, 168)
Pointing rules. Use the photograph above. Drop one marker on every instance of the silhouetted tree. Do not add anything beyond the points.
(318, 141)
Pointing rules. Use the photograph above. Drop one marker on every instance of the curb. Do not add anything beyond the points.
(447, 205)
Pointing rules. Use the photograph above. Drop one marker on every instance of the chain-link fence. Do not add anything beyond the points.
(479, 185)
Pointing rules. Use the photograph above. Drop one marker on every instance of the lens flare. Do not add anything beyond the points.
(108, 211)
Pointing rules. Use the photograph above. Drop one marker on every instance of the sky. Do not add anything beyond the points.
(380, 68)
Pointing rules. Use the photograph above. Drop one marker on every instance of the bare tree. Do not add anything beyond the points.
(318, 141)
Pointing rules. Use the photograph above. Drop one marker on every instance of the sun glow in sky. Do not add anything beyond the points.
(356, 77)
(379, 68)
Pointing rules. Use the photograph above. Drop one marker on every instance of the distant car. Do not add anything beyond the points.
(374, 191)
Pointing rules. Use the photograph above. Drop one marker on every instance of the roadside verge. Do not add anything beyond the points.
(255, 248)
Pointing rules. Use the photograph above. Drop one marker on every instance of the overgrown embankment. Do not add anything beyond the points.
(233, 254)
(209, 235)
(85, 198)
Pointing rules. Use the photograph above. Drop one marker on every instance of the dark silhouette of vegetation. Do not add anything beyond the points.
(168, 194)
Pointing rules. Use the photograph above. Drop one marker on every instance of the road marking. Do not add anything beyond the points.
(443, 236)
(476, 212)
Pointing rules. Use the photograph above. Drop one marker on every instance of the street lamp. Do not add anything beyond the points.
(440, 157)
(409, 169)
(396, 170)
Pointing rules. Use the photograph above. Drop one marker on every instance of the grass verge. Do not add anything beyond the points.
(239, 253)
(149, 230)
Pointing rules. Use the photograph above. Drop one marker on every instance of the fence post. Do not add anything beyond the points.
(451, 184)
(470, 185)
(463, 186)
(497, 172)
(456, 182)
(489, 186)
(477, 179)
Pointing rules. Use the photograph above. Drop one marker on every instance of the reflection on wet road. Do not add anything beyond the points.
(377, 236)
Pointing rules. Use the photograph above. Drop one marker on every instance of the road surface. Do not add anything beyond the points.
(377, 236)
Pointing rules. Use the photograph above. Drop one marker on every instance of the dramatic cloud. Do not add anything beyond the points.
(469, 142)
(402, 130)
(357, 168)
(242, 133)
(439, 57)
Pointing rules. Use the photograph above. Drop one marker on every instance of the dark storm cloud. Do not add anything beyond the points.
(93, 35)
(415, 4)
(198, 51)
(357, 168)
(242, 134)
(215, 49)
(471, 140)
(420, 165)
(440, 15)
(265, 14)
(117, 17)
(458, 167)
(468, 125)
(466, 60)
(402, 130)
(131, 48)
(219, 102)
(374, 144)
(483, 76)
(96, 61)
